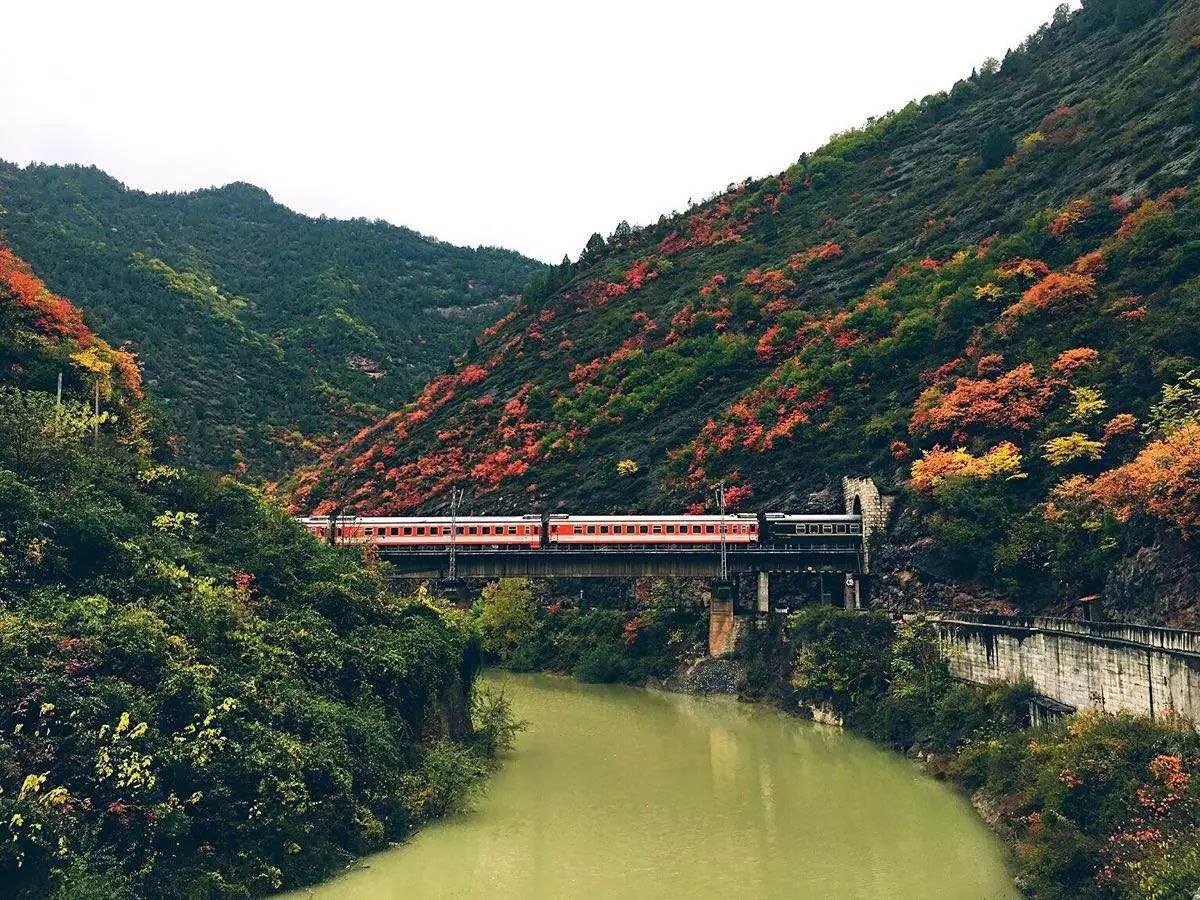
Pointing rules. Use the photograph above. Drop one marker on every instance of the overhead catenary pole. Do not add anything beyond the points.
(721, 529)
(456, 497)
(58, 407)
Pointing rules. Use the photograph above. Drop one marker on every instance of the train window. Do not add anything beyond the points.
(368, 531)
(591, 529)
(604, 529)
(512, 529)
(711, 529)
(828, 529)
(658, 529)
(670, 529)
(841, 529)
(754, 529)
(460, 529)
(616, 529)
(395, 530)
(471, 529)
(579, 529)
(644, 529)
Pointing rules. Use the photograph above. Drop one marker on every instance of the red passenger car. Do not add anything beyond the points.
(431, 531)
(738, 528)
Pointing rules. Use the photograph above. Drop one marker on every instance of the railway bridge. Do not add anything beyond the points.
(722, 565)
(632, 562)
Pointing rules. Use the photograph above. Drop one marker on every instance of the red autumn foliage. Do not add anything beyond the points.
(1060, 127)
(741, 424)
(1014, 400)
(769, 281)
(1071, 361)
(737, 495)
(989, 364)
(713, 285)
(1057, 289)
(1148, 210)
(706, 229)
(639, 273)
(56, 318)
(1089, 264)
(802, 260)
(597, 292)
(1121, 423)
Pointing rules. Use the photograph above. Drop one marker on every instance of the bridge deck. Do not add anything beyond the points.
(622, 562)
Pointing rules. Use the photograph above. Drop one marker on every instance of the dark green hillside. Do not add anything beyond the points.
(260, 330)
(979, 300)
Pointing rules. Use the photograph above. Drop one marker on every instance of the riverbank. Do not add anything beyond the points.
(1094, 805)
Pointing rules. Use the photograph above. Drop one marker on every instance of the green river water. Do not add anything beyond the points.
(625, 793)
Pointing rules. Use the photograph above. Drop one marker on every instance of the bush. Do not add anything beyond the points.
(600, 665)
(196, 689)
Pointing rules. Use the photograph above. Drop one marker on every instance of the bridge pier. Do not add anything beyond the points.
(852, 593)
(764, 595)
(722, 627)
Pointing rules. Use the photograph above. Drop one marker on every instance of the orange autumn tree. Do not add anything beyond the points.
(1162, 481)
(1055, 290)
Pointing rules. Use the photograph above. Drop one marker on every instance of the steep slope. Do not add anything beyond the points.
(1006, 271)
(260, 330)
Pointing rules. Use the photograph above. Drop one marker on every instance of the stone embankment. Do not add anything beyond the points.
(1080, 665)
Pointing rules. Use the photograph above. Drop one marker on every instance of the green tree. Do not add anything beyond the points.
(507, 615)
(997, 146)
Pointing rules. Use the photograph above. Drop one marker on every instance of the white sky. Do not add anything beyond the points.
(524, 124)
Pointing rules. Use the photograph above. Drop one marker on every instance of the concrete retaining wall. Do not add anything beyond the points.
(1104, 665)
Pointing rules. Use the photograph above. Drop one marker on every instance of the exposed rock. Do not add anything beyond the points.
(705, 675)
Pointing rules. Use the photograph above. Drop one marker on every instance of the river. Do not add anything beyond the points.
(625, 793)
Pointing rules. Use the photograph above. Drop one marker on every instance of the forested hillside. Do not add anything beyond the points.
(262, 333)
(987, 300)
(200, 699)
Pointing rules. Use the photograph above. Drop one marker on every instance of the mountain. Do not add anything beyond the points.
(987, 300)
(262, 332)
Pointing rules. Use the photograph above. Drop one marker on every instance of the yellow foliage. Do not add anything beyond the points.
(1030, 141)
(627, 467)
(89, 358)
(938, 464)
(1063, 450)
(1086, 403)
(989, 291)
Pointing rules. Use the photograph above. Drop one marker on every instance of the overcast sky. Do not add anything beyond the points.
(523, 124)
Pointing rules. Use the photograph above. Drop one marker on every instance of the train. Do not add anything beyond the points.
(564, 531)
